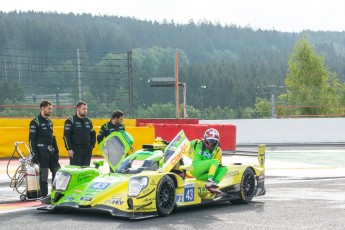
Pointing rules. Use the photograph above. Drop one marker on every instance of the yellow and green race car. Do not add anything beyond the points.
(150, 182)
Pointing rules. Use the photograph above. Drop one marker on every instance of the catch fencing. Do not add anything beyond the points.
(102, 79)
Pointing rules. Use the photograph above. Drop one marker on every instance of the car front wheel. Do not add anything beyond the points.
(165, 197)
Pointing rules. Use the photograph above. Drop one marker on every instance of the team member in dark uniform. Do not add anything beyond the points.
(79, 137)
(115, 124)
(43, 145)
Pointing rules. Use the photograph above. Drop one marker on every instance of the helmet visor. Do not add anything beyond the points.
(212, 142)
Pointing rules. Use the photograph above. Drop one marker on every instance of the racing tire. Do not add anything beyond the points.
(165, 196)
(247, 187)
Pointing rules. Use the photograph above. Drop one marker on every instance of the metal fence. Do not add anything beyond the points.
(102, 79)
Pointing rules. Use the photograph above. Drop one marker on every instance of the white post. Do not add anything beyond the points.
(79, 75)
(177, 92)
(273, 106)
(185, 100)
(202, 99)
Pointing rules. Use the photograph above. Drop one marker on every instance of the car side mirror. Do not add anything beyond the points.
(98, 163)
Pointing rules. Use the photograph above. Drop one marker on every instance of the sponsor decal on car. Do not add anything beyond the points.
(178, 198)
(179, 155)
(82, 177)
(202, 189)
(189, 185)
(115, 201)
(85, 198)
(232, 174)
(70, 198)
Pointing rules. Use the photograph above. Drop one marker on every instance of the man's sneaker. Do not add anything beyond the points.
(45, 200)
(210, 184)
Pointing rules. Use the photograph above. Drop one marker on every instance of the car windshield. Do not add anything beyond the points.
(136, 164)
(140, 161)
(131, 166)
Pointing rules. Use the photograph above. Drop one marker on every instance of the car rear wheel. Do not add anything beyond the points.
(165, 197)
(247, 187)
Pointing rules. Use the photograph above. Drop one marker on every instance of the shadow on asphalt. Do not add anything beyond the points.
(189, 214)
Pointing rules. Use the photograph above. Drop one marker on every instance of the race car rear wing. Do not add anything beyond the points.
(260, 153)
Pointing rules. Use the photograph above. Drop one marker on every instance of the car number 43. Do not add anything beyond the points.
(100, 185)
(188, 194)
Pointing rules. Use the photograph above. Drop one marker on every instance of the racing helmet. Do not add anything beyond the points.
(211, 138)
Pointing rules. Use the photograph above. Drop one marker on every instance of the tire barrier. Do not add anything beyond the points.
(166, 121)
(196, 131)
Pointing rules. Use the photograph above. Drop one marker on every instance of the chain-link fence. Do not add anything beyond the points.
(106, 81)
(102, 79)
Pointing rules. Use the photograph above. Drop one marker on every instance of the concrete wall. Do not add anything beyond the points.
(286, 131)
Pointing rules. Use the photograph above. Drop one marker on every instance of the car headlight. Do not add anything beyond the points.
(61, 181)
(136, 185)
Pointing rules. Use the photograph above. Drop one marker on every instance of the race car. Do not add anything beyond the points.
(151, 182)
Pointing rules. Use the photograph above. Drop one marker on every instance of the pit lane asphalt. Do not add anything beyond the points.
(296, 204)
(8, 169)
(282, 161)
(305, 190)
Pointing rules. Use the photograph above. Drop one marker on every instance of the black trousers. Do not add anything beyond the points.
(82, 155)
(47, 160)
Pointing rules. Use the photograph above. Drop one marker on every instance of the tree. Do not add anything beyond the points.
(167, 110)
(263, 107)
(109, 80)
(309, 82)
(248, 113)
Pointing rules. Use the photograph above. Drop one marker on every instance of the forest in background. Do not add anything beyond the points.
(38, 55)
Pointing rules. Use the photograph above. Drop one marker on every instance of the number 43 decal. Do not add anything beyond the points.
(188, 194)
(100, 185)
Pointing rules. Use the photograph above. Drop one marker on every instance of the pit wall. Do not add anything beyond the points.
(12, 130)
(141, 121)
(227, 132)
(168, 128)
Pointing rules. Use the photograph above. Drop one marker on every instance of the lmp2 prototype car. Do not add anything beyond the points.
(150, 182)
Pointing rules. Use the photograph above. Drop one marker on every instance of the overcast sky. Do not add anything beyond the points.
(288, 15)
